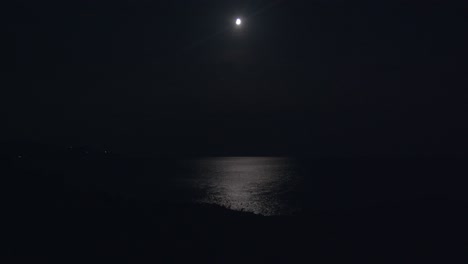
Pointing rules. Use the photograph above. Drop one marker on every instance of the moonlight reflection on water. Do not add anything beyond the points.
(252, 184)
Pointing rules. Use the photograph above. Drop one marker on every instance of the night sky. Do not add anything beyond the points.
(339, 78)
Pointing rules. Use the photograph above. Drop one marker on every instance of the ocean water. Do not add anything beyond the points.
(272, 185)
(262, 185)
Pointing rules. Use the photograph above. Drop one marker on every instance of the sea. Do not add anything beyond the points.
(269, 185)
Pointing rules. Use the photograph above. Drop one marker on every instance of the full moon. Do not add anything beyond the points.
(238, 21)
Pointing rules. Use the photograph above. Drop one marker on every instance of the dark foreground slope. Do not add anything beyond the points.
(47, 221)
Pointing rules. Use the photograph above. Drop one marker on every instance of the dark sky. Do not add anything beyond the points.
(317, 77)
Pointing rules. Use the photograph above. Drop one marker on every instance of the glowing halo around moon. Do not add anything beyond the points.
(238, 22)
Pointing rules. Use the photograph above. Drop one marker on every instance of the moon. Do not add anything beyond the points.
(238, 21)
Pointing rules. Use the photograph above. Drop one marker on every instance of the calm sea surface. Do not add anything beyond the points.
(267, 185)
(254, 184)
